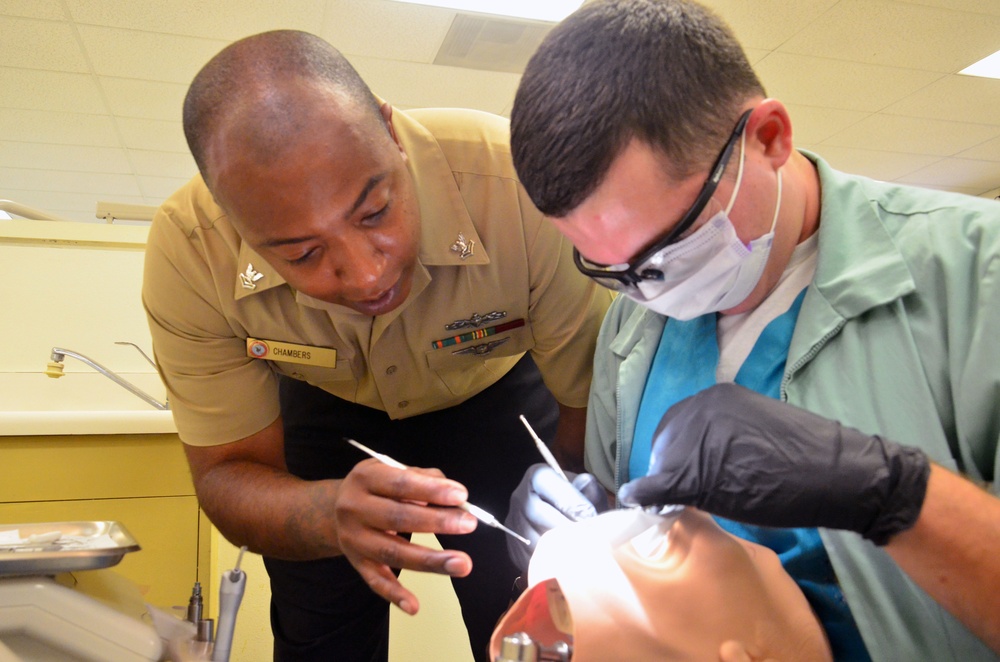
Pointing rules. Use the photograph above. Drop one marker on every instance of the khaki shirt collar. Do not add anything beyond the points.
(443, 214)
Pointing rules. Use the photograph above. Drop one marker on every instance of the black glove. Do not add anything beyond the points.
(543, 501)
(746, 457)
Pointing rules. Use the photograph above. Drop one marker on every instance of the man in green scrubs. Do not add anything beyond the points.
(811, 356)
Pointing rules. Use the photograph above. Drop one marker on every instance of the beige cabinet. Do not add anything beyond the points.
(140, 480)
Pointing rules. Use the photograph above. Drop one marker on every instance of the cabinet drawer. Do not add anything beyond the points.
(53, 468)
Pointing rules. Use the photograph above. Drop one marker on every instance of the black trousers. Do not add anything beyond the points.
(322, 610)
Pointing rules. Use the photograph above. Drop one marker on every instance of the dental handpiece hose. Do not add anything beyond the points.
(231, 590)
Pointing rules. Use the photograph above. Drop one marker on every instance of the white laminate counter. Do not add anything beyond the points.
(80, 403)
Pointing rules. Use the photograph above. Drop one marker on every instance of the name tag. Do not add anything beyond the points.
(290, 353)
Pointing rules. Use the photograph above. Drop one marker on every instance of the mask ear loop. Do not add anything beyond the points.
(739, 179)
(777, 205)
(739, 172)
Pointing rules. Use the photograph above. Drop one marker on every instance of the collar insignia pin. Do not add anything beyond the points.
(249, 278)
(463, 246)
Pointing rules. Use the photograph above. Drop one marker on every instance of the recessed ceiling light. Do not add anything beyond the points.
(988, 67)
(539, 10)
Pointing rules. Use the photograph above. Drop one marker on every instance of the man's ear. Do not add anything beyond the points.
(386, 110)
(771, 126)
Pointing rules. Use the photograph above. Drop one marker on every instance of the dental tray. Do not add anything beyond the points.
(33, 549)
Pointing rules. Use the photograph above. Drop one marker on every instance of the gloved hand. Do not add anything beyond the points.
(543, 501)
(744, 456)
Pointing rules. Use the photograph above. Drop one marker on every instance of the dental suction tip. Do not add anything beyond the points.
(54, 369)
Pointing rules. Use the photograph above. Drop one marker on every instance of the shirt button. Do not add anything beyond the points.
(404, 404)
(390, 370)
(297, 375)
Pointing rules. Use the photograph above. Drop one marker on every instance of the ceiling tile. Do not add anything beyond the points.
(162, 164)
(423, 85)
(48, 9)
(911, 135)
(899, 34)
(991, 7)
(814, 81)
(153, 135)
(35, 44)
(157, 189)
(950, 173)
(814, 124)
(127, 97)
(868, 84)
(966, 98)
(755, 55)
(112, 52)
(886, 166)
(987, 151)
(967, 190)
(386, 29)
(227, 20)
(767, 24)
(72, 182)
(64, 157)
(42, 126)
(37, 89)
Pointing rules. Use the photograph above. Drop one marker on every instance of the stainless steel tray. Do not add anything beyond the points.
(113, 542)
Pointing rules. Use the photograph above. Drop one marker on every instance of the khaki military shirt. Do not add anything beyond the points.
(494, 281)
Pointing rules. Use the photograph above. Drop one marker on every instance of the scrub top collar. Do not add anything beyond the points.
(866, 269)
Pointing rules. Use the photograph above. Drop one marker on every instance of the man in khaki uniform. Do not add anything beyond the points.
(341, 269)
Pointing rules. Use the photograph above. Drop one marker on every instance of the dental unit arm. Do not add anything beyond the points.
(231, 590)
(55, 367)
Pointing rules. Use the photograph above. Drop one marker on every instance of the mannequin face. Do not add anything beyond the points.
(621, 586)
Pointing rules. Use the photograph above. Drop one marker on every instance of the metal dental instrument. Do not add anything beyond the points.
(475, 511)
(544, 450)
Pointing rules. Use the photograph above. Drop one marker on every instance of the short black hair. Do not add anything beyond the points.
(248, 75)
(667, 72)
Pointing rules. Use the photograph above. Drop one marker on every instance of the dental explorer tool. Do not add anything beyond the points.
(550, 459)
(231, 590)
(475, 511)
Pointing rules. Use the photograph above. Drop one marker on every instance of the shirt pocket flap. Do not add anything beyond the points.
(470, 367)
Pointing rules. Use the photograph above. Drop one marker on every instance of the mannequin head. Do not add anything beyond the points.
(629, 585)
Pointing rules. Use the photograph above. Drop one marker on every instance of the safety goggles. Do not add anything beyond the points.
(627, 276)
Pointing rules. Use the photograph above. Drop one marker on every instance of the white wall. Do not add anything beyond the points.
(81, 296)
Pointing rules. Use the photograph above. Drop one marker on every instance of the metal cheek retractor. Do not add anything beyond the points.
(520, 647)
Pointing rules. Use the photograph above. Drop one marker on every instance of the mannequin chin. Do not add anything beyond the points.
(630, 586)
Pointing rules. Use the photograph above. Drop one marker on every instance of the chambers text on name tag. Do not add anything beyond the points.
(274, 350)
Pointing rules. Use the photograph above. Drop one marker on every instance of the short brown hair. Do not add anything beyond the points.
(667, 72)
